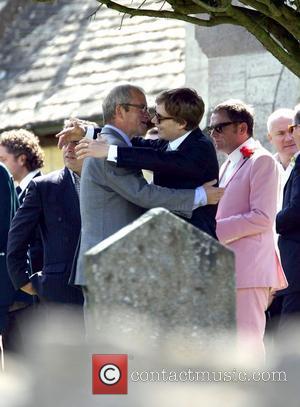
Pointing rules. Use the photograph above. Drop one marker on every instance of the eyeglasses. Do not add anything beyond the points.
(143, 108)
(219, 127)
(292, 127)
(159, 118)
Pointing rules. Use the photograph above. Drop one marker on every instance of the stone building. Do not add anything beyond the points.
(59, 60)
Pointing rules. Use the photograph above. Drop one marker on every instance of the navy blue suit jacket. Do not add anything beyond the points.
(8, 206)
(191, 165)
(36, 245)
(288, 228)
(51, 204)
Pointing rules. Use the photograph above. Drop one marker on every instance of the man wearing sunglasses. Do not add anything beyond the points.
(245, 217)
(182, 157)
(288, 228)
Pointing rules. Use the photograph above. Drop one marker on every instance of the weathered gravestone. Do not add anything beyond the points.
(161, 270)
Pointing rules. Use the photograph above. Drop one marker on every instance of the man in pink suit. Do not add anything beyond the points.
(245, 217)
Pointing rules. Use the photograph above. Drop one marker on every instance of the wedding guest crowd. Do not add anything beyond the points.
(237, 205)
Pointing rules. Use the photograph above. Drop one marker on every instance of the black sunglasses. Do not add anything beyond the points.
(159, 118)
(219, 127)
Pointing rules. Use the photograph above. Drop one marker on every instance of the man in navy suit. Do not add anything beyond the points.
(288, 228)
(10, 299)
(183, 157)
(52, 204)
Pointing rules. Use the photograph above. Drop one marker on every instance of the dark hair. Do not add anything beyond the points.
(238, 111)
(297, 115)
(184, 104)
(18, 142)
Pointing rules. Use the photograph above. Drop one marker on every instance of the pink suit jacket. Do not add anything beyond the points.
(245, 218)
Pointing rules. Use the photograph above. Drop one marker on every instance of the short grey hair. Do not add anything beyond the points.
(118, 95)
(279, 113)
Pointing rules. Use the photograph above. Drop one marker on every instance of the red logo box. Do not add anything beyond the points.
(110, 374)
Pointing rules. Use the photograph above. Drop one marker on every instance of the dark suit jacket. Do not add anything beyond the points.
(51, 204)
(8, 207)
(35, 244)
(288, 228)
(191, 165)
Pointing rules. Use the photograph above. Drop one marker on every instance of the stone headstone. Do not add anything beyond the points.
(161, 271)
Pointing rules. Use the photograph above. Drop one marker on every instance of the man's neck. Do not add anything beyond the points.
(21, 176)
(284, 160)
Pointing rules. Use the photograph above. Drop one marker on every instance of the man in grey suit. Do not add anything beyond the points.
(112, 197)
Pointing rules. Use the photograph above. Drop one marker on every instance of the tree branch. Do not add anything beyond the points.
(290, 60)
(213, 9)
(214, 20)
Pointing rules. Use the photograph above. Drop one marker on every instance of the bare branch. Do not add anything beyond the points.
(213, 9)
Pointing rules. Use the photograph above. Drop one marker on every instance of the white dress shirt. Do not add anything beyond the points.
(26, 180)
(233, 160)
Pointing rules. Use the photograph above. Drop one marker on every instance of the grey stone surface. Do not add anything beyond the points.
(64, 61)
(226, 40)
(240, 68)
(162, 271)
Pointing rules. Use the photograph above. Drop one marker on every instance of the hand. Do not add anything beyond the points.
(73, 133)
(28, 288)
(214, 194)
(92, 148)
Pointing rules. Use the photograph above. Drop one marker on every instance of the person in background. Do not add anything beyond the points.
(11, 311)
(20, 151)
(245, 218)
(52, 205)
(288, 228)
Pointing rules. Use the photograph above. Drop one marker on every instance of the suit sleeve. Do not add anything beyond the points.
(288, 219)
(168, 162)
(133, 187)
(22, 227)
(8, 202)
(262, 204)
(5, 208)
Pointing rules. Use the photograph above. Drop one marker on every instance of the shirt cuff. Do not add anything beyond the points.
(200, 198)
(90, 132)
(112, 154)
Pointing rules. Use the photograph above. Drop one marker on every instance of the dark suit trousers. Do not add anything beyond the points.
(284, 310)
(15, 337)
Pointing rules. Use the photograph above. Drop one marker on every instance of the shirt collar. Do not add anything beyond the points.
(122, 134)
(236, 155)
(25, 181)
(174, 144)
(296, 154)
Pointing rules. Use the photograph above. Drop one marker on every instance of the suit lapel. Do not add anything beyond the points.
(67, 194)
(240, 164)
(23, 193)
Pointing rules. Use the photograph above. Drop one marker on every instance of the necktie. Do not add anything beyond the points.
(168, 147)
(18, 190)
(77, 183)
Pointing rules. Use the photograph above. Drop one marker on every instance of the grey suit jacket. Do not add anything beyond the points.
(112, 197)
